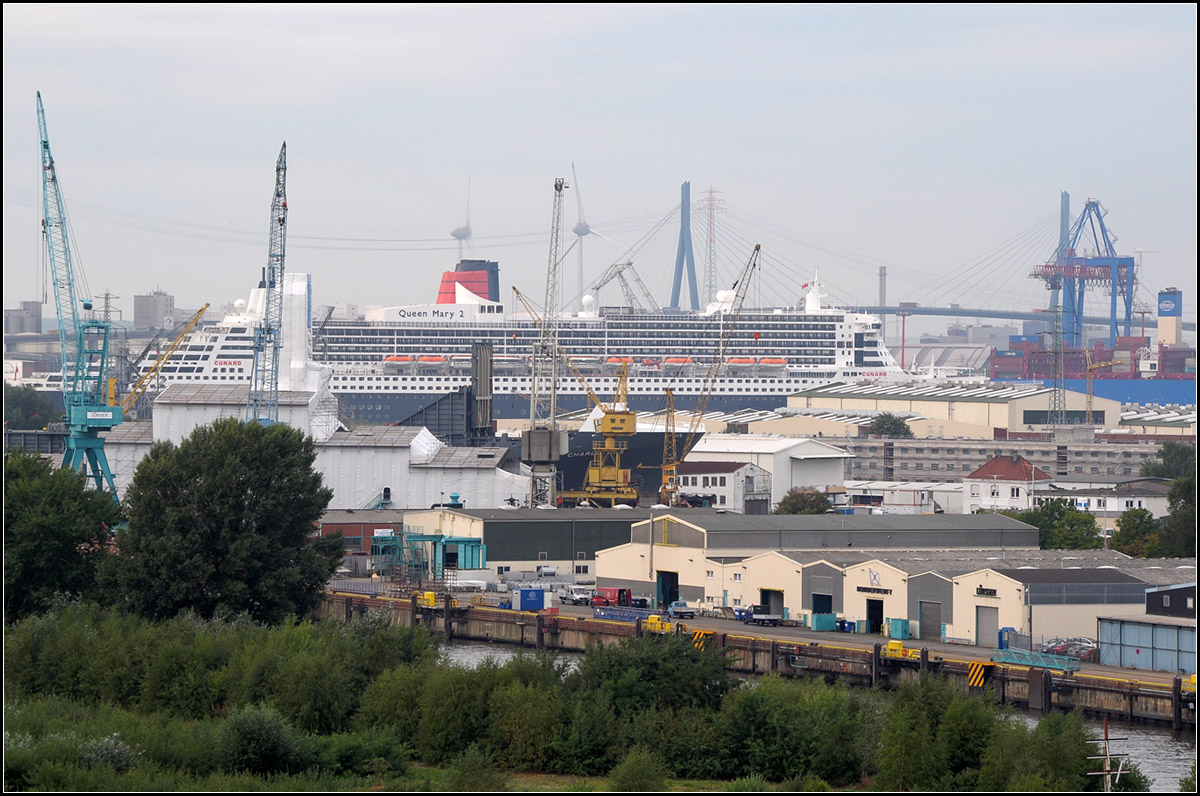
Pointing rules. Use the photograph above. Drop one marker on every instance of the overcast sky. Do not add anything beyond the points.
(932, 140)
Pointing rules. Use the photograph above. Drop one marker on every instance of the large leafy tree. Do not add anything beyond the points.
(889, 425)
(26, 408)
(1178, 539)
(1175, 460)
(55, 531)
(1136, 534)
(223, 523)
(800, 501)
(1061, 526)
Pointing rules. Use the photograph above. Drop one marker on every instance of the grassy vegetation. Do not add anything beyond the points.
(99, 700)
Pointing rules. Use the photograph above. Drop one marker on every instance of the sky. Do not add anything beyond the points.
(931, 140)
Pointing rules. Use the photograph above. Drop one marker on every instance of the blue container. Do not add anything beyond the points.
(530, 599)
(1002, 641)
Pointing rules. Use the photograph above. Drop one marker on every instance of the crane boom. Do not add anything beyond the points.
(263, 402)
(148, 377)
(82, 343)
(730, 320)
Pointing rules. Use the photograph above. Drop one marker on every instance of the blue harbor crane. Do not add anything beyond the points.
(263, 403)
(83, 341)
(1071, 272)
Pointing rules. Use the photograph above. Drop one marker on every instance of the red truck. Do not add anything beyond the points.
(606, 595)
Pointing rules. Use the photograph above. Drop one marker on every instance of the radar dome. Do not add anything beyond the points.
(239, 305)
(588, 302)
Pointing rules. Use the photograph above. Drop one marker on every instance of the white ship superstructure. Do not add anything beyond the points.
(399, 359)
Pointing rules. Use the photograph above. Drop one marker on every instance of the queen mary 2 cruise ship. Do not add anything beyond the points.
(397, 360)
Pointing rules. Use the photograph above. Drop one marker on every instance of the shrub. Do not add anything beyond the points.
(257, 739)
(641, 771)
(111, 750)
(751, 784)
(475, 770)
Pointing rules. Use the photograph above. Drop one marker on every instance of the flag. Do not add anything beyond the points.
(806, 284)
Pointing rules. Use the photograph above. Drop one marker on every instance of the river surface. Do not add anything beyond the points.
(1163, 755)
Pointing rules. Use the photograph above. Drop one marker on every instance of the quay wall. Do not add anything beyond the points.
(1035, 689)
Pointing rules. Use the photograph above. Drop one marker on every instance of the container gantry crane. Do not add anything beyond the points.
(262, 404)
(82, 342)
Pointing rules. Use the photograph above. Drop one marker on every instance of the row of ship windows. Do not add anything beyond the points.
(465, 380)
(1111, 454)
(869, 465)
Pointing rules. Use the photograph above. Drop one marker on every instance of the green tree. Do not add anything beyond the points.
(26, 408)
(1136, 534)
(1178, 539)
(889, 425)
(1175, 460)
(55, 532)
(803, 501)
(1061, 526)
(223, 523)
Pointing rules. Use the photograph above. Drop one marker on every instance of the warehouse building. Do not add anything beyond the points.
(1161, 638)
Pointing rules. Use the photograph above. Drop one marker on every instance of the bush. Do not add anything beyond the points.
(110, 750)
(640, 772)
(475, 770)
(751, 784)
(258, 740)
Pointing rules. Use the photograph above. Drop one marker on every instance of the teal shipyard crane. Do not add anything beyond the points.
(263, 402)
(83, 342)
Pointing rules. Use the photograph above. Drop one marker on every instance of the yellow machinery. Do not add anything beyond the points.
(1092, 367)
(607, 483)
(148, 378)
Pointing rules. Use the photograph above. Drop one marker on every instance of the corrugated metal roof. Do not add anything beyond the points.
(1000, 393)
(380, 436)
(223, 395)
(853, 522)
(1054, 576)
(464, 458)
(139, 432)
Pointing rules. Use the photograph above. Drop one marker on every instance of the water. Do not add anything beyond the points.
(1163, 755)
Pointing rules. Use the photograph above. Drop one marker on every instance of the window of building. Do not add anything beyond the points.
(1015, 492)
(543, 557)
(708, 573)
(581, 569)
(737, 577)
(722, 483)
(721, 499)
(736, 601)
(502, 570)
(1166, 601)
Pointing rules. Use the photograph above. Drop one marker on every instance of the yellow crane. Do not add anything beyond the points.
(671, 456)
(148, 377)
(1092, 367)
(607, 483)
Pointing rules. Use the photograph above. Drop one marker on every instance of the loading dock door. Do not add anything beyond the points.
(874, 615)
(773, 599)
(929, 620)
(822, 603)
(987, 626)
(668, 587)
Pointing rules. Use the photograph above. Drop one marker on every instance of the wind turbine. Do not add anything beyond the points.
(463, 233)
(582, 229)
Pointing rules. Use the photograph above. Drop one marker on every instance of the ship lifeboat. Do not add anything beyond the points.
(741, 361)
(428, 359)
(619, 361)
(777, 362)
(397, 359)
(460, 360)
(677, 361)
